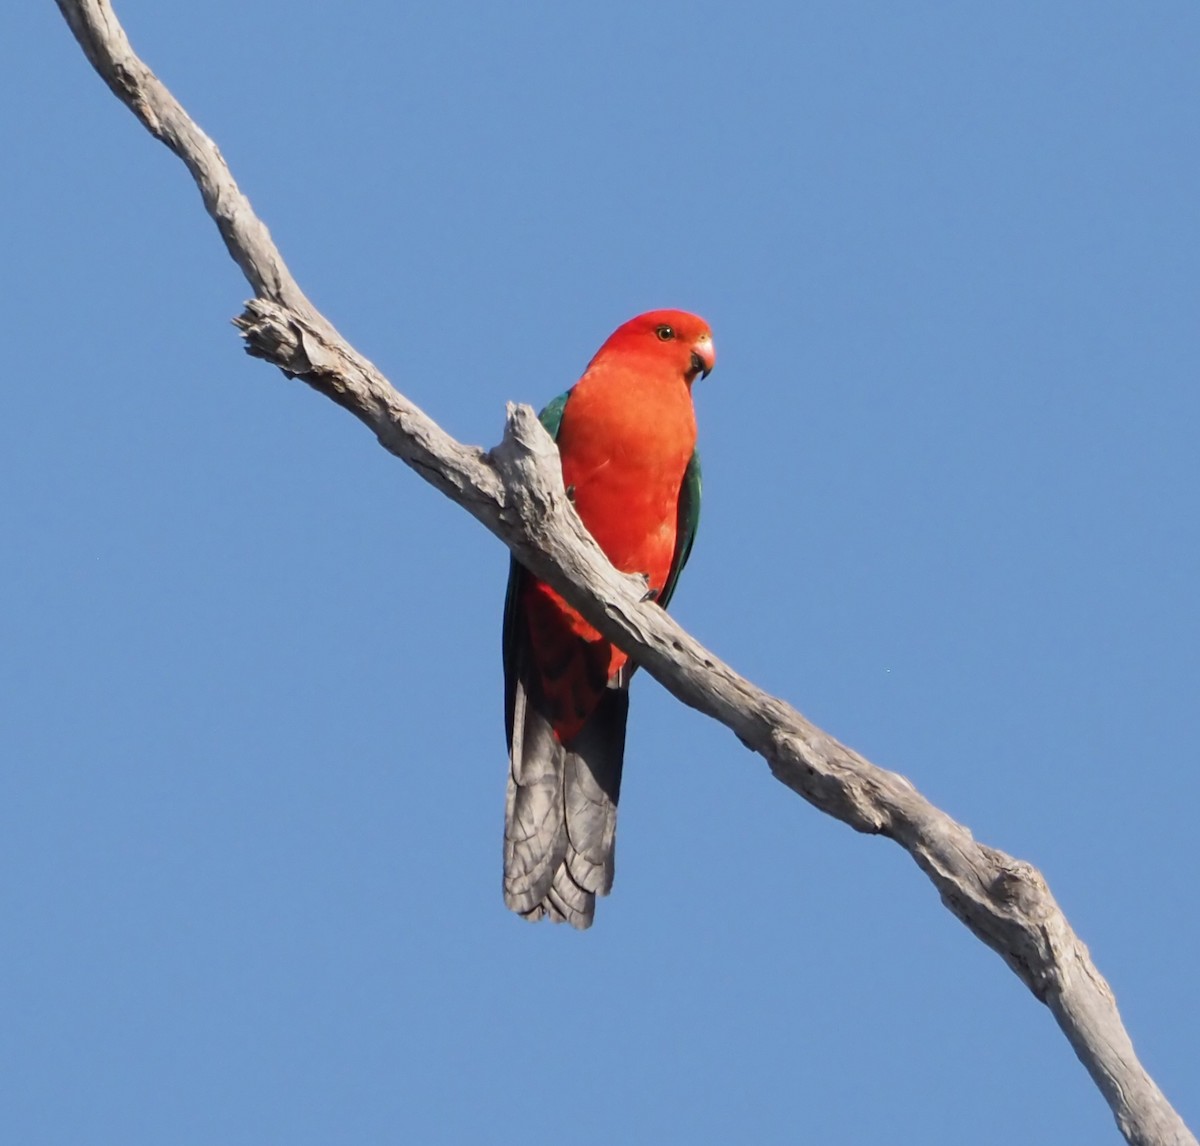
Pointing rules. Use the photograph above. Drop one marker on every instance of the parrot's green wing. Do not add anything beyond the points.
(551, 419)
(686, 524)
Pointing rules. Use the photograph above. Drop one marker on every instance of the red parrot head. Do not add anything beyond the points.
(674, 339)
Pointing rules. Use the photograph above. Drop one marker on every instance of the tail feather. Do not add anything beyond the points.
(591, 789)
(561, 810)
(535, 837)
(567, 902)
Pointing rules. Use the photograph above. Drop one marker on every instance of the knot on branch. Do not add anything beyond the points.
(273, 333)
(1018, 886)
(284, 338)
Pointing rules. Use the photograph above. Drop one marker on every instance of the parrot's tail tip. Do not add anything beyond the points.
(579, 910)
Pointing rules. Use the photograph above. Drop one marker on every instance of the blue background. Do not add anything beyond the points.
(251, 738)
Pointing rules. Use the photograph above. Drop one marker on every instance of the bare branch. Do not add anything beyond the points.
(516, 491)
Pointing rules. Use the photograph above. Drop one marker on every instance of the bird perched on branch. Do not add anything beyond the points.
(626, 432)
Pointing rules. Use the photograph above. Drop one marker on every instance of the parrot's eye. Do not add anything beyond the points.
(665, 333)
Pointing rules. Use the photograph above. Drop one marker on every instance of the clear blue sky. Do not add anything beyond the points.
(251, 737)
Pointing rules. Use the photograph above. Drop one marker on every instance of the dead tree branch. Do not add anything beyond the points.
(516, 491)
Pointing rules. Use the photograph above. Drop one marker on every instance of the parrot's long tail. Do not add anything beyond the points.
(560, 815)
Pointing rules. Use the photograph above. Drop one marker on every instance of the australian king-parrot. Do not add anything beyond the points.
(626, 432)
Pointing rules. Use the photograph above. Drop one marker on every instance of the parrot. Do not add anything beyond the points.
(626, 435)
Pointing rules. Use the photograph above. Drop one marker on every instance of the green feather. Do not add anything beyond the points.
(686, 523)
(551, 416)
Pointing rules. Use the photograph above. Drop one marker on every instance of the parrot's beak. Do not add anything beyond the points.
(704, 357)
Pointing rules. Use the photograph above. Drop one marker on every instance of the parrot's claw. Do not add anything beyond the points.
(650, 594)
(571, 494)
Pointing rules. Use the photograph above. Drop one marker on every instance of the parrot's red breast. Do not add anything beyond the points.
(628, 431)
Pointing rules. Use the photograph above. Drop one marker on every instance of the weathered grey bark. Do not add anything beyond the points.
(516, 491)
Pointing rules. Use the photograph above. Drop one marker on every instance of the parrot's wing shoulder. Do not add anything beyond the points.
(686, 523)
(551, 416)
